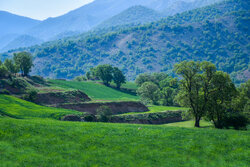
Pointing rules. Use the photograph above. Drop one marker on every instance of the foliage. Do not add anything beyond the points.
(104, 72)
(118, 77)
(149, 91)
(104, 113)
(195, 86)
(11, 66)
(80, 78)
(3, 71)
(235, 120)
(216, 33)
(30, 95)
(223, 91)
(24, 62)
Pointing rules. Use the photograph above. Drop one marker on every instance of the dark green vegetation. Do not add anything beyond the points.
(157, 88)
(216, 33)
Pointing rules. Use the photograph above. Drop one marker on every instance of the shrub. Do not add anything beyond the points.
(31, 95)
(235, 120)
(104, 113)
(89, 117)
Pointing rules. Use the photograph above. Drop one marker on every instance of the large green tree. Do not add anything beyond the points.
(221, 95)
(118, 77)
(24, 62)
(195, 86)
(104, 72)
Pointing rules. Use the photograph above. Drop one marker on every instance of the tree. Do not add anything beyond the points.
(142, 78)
(195, 86)
(221, 95)
(118, 77)
(150, 91)
(11, 66)
(3, 71)
(24, 62)
(104, 72)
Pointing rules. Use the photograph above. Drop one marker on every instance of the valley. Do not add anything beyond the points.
(162, 83)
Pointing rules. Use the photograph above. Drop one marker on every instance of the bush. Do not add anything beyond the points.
(31, 95)
(80, 78)
(104, 113)
(3, 72)
(235, 120)
(89, 117)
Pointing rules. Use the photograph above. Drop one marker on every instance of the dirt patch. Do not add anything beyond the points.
(54, 98)
(150, 118)
(116, 107)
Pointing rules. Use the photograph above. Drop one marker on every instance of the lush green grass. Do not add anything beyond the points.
(46, 142)
(95, 91)
(190, 124)
(155, 109)
(17, 108)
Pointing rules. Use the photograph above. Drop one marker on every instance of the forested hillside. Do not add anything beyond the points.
(217, 33)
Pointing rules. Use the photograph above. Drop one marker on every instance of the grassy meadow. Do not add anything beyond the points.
(95, 91)
(32, 135)
(43, 142)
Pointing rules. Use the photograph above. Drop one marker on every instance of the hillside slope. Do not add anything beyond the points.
(217, 33)
(134, 15)
(11, 26)
(92, 14)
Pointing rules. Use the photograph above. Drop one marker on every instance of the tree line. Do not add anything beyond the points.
(210, 94)
(21, 63)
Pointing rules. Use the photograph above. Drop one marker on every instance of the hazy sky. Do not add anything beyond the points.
(41, 9)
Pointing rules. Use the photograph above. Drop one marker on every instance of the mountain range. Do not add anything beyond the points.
(88, 17)
(218, 33)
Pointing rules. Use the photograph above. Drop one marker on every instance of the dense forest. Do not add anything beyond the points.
(218, 33)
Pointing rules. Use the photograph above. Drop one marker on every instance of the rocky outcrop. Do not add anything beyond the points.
(55, 98)
(116, 107)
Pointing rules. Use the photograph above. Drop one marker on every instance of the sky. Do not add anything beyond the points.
(41, 9)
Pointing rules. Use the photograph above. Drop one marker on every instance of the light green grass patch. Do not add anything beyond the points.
(95, 91)
(155, 109)
(190, 124)
(18, 108)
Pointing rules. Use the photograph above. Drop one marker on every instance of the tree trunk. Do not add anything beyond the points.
(197, 122)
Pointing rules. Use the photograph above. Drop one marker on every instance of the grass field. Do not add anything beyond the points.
(190, 124)
(35, 139)
(95, 91)
(46, 142)
(154, 109)
(17, 108)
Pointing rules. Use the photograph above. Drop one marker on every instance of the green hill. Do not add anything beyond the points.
(17, 108)
(96, 91)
